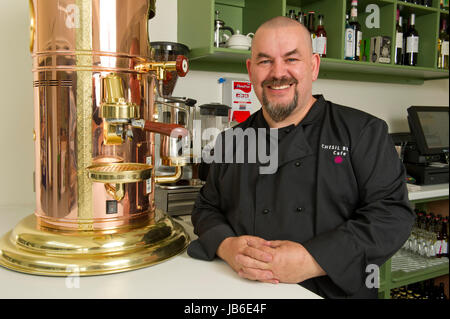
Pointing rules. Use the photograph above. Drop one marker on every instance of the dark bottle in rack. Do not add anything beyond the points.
(357, 29)
(443, 239)
(321, 38)
(443, 46)
(301, 17)
(441, 292)
(399, 40)
(349, 41)
(291, 14)
(412, 42)
(312, 30)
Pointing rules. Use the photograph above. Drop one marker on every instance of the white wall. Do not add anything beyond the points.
(16, 105)
(388, 101)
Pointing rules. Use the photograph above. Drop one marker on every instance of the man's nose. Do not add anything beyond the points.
(279, 69)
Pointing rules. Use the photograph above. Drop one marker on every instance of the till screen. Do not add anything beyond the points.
(435, 128)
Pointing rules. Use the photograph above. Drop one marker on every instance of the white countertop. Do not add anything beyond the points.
(417, 192)
(181, 277)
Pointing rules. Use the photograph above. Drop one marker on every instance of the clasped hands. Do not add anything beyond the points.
(269, 261)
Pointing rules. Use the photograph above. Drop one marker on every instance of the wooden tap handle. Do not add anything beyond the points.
(172, 130)
(182, 65)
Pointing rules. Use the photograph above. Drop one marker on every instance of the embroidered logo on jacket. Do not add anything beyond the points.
(339, 152)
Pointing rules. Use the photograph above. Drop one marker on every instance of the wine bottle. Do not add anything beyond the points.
(412, 42)
(357, 29)
(312, 30)
(321, 38)
(301, 17)
(349, 41)
(399, 40)
(292, 14)
(443, 46)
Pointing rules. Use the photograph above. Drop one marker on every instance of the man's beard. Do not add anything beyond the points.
(279, 112)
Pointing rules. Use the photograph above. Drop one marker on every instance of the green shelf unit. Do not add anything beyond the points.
(427, 24)
(333, 11)
(423, 201)
(393, 279)
(401, 278)
(196, 30)
(376, 72)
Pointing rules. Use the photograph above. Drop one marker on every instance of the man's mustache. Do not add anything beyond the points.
(278, 81)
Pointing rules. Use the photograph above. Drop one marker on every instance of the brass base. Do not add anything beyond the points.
(30, 249)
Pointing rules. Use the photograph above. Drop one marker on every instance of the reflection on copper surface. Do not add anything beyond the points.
(95, 209)
(119, 42)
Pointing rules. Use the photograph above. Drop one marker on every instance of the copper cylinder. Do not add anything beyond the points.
(76, 43)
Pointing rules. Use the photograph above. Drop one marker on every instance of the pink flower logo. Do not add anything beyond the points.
(338, 159)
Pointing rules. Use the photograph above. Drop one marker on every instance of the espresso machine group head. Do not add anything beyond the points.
(96, 83)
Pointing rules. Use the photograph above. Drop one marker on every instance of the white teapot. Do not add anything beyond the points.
(239, 41)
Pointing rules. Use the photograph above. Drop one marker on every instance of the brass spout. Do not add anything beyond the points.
(181, 65)
(117, 192)
(170, 178)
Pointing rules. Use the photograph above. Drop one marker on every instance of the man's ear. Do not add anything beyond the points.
(315, 66)
(248, 63)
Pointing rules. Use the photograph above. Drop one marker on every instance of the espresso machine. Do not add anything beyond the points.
(175, 197)
(178, 198)
(96, 83)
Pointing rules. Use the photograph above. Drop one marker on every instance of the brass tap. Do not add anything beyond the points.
(180, 65)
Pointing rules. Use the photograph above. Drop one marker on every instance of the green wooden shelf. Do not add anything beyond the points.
(196, 30)
(390, 279)
(401, 278)
(393, 279)
(229, 60)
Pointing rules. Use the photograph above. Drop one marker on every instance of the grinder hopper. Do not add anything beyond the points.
(168, 51)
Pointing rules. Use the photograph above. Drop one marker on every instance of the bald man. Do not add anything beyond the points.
(337, 202)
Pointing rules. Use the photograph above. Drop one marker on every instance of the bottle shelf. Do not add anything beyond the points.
(196, 30)
(408, 268)
(405, 268)
(231, 60)
(416, 8)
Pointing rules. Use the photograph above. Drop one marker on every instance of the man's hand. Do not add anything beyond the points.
(244, 255)
(291, 262)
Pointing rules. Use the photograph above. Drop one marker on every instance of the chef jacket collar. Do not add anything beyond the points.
(295, 145)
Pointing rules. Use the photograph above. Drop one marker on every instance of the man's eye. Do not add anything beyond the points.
(292, 60)
(264, 62)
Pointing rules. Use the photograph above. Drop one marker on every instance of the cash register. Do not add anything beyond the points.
(426, 157)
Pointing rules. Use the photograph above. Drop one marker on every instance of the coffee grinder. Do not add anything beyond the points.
(178, 184)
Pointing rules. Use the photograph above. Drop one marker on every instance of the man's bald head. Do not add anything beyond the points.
(282, 68)
(285, 22)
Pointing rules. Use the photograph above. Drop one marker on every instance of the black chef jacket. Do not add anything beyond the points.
(339, 191)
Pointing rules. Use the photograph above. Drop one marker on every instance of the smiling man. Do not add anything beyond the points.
(337, 202)
(282, 69)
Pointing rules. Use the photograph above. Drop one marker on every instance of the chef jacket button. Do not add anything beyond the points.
(266, 211)
(299, 209)
(298, 164)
